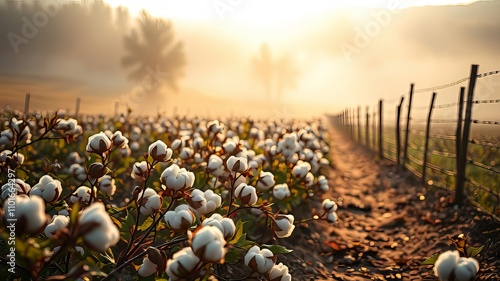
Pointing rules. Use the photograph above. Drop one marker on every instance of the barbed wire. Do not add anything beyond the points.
(487, 101)
(414, 171)
(415, 160)
(441, 170)
(481, 75)
(475, 121)
(482, 187)
(483, 143)
(483, 166)
(443, 137)
(446, 105)
(444, 154)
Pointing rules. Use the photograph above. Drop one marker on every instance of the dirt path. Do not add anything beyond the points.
(388, 224)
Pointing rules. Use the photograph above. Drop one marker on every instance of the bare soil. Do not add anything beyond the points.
(388, 224)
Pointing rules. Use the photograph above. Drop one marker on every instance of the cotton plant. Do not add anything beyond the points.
(194, 187)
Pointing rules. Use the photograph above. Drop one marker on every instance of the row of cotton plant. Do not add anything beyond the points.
(155, 197)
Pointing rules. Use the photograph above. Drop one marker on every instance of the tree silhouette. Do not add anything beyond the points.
(286, 75)
(279, 74)
(263, 67)
(152, 49)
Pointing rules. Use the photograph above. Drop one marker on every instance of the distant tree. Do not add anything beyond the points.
(279, 75)
(286, 75)
(263, 67)
(153, 53)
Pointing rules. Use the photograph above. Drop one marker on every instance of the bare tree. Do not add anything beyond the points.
(278, 75)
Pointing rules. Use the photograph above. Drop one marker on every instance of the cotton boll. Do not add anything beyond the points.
(147, 268)
(58, 222)
(445, 264)
(179, 219)
(103, 233)
(279, 272)
(466, 269)
(225, 225)
(208, 244)
(182, 265)
(258, 260)
(283, 225)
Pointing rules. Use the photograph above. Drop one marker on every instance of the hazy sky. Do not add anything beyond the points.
(348, 52)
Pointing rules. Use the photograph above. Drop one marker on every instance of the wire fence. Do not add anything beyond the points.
(441, 151)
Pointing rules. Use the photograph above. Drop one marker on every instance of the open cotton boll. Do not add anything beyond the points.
(182, 265)
(204, 202)
(107, 185)
(279, 272)
(101, 233)
(47, 188)
(98, 143)
(283, 225)
(150, 202)
(147, 268)
(265, 181)
(81, 194)
(159, 151)
(180, 219)
(20, 186)
(225, 225)
(58, 222)
(176, 178)
(258, 260)
(301, 169)
(445, 264)
(30, 210)
(281, 191)
(246, 194)
(329, 205)
(466, 269)
(237, 164)
(208, 244)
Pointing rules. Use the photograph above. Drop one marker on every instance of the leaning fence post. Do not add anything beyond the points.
(459, 192)
(367, 127)
(407, 133)
(398, 133)
(427, 133)
(380, 131)
(458, 138)
(27, 105)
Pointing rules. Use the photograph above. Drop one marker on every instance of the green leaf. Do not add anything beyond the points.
(146, 224)
(73, 217)
(474, 251)
(116, 221)
(277, 249)
(109, 256)
(431, 260)
(238, 234)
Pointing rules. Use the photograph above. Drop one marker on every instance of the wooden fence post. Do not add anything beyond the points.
(77, 107)
(367, 127)
(398, 133)
(374, 121)
(427, 134)
(380, 131)
(27, 105)
(458, 137)
(359, 124)
(407, 133)
(459, 192)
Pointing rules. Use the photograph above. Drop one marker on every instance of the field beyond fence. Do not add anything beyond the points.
(447, 144)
